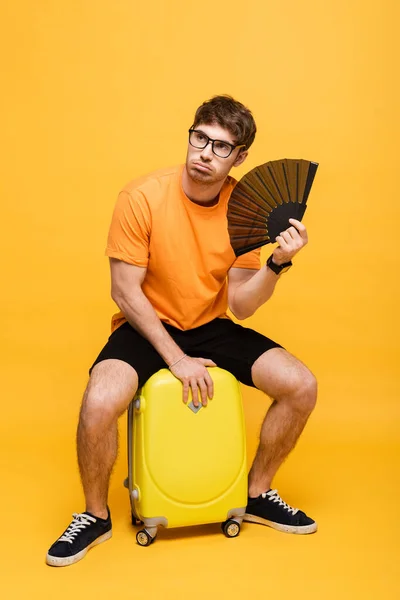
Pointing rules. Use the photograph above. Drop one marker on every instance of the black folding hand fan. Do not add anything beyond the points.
(265, 199)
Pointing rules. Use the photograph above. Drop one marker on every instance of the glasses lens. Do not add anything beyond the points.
(198, 139)
(222, 149)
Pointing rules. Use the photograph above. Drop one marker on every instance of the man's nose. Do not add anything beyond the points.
(207, 152)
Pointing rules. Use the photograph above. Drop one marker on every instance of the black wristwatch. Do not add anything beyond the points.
(278, 269)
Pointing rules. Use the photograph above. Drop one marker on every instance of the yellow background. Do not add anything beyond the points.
(96, 93)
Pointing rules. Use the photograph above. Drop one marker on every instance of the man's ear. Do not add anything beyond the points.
(241, 157)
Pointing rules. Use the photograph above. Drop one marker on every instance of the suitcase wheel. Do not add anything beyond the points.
(143, 538)
(230, 528)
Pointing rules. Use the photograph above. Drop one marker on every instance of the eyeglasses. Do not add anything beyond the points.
(200, 140)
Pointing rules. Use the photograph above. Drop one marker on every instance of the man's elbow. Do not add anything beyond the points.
(240, 315)
(116, 294)
(121, 298)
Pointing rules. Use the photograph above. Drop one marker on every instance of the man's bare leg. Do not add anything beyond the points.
(112, 385)
(294, 390)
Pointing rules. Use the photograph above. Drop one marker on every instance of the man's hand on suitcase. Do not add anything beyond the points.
(194, 375)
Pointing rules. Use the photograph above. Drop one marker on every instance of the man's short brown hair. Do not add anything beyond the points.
(230, 114)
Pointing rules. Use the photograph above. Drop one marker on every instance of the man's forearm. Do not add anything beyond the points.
(253, 293)
(143, 318)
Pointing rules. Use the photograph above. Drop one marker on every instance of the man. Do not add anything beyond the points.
(174, 274)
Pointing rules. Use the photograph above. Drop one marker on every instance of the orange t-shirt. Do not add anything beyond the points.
(184, 246)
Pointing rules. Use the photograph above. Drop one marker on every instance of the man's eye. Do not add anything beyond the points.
(222, 147)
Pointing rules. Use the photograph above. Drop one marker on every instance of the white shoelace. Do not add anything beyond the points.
(275, 497)
(80, 522)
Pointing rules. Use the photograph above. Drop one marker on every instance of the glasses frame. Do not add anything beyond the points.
(232, 146)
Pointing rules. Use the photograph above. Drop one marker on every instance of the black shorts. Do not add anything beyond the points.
(229, 345)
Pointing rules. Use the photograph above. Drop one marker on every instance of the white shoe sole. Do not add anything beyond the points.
(56, 561)
(302, 529)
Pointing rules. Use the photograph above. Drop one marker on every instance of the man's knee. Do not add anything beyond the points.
(111, 388)
(285, 378)
(304, 390)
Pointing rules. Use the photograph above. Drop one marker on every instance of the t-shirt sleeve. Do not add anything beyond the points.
(129, 234)
(250, 260)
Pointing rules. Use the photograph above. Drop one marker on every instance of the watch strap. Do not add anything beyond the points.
(277, 269)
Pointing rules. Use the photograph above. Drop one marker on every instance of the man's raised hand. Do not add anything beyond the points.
(290, 241)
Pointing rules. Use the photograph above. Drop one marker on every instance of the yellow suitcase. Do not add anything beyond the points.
(187, 466)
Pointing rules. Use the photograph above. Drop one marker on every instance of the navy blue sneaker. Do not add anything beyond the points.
(269, 509)
(85, 531)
